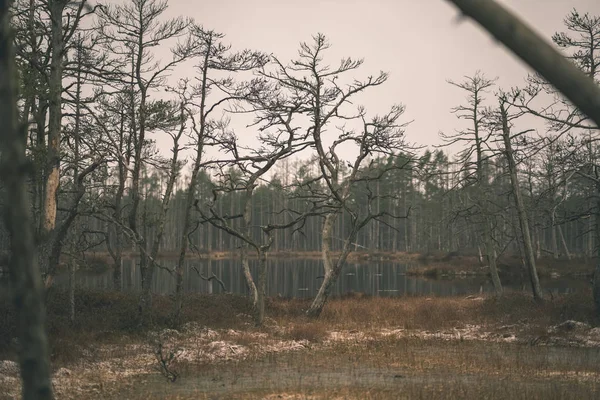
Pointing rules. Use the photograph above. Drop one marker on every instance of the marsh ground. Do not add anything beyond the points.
(361, 348)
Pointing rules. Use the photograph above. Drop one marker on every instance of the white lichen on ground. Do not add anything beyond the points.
(195, 344)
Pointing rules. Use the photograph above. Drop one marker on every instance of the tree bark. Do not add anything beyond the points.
(330, 274)
(25, 276)
(262, 287)
(491, 258)
(553, 235)
(563, 242)
(522, 214)
(332, 268)
(247, 218)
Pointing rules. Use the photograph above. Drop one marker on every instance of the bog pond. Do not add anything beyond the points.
(300, 278)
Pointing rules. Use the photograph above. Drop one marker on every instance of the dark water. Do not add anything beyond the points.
(301, 278)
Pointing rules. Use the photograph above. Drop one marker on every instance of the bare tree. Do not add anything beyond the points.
(58, 41)
(473, 160)
(504, 123)
(244, 172)
(216, 87)
(133, 31)
(381, 135)
(318, 93)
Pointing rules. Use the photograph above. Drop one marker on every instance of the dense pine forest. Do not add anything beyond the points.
(151, 136)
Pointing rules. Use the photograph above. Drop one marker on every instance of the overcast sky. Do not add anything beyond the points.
(419, 42)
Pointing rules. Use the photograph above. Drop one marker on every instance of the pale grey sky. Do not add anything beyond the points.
(419, 42)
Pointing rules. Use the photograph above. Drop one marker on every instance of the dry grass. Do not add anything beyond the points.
(112, 317)
(108, 317)
(384, 358)
(311, 331)
(359, 312)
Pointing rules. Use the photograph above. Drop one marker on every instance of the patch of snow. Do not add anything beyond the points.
(290, 345)
(8, 367)
(62, 373)
(569, 326)
(224, 350)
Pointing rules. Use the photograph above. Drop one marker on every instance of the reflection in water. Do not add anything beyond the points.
(300, 278)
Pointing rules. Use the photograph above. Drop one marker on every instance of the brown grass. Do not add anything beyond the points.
(377, 366)
(112, 317)
(354, 312)
(109, 317)
(312, 331)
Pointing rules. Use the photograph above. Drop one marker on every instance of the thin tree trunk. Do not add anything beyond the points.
(538, 246)
(247, 218)
(529, 256)
(72, 267)
(146, 300)
(491, 257)
(553, 235)
(118, 214)
(563, 242)
(262, 287)
(189, 201)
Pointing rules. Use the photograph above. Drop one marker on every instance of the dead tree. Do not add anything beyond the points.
(381, 135)
(504, 122)
(473, 160)
(315, 98)
(172, 169)
(132, 32)
(212, 92)
(242, 174)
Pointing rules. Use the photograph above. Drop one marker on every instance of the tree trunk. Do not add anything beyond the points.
(24, 273)
(49, 209)
(332, 269)
(118, 216)
(529, 256)
(55, 110)
(252, 289)
(72, 267)
(189, 202)
(553, 235)
(563, 242)
(262, 287)
(146, 300)
(491, 257)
